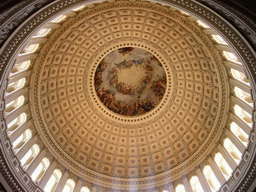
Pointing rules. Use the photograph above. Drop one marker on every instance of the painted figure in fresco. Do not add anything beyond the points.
(108, 99)
(121, 64)
(125, 50)
(128, 63)
(149, 67)
(159, 86)
(125, 90)
(113, 80)
(139, 61)
(116, 107)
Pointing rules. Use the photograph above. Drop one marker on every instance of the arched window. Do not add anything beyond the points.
(219, 39)
(53, 181)
(30, 155)
(20, 67)
(195, 184)
(59, 19)
(243, 95)
(184, 13)
(15, 104)
(40, 170)
(42, 33)
(85, 189)
(18, 121)
(239, 76)
(69, 186)
(223, 165)
(30, 49)
(202, 24)
(243, 115)
(180, 188)
(231, 148)
(239, 133)
(16, 85)
(231, 57)
(79, 8)
(211, 178)
(22, 139)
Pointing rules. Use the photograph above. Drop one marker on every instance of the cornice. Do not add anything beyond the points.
(7, 173)
(13, 17)
(243, 23)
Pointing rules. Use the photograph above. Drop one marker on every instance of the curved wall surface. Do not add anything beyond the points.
(70, 112)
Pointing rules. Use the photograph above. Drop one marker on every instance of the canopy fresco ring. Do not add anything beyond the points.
(130, 81)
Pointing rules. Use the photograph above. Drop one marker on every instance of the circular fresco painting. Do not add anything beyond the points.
(130, 81)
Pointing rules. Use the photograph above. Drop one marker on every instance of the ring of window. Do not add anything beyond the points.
(59, 19)
(219, 39)
(16, 85)
(29, 49)
(180, 188)
(223, 165)
(42, 33)
(243, 95)
(19, 67)
(184, 13)
(69, 186)
(14, 104)
(40, 170)
(239, 133)
(195, 184)
(202, 24)
(239, 76)
(18, 121)
(30, 155)
(22, 139)
(211, 178)
(231, 148)
(245, 116)
(85, 189)
(231, 57)
(53, 181)
(78, 8)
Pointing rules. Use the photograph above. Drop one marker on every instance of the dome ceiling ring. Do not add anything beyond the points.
(52, 118)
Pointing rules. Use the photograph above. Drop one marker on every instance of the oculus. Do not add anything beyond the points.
(130, 81)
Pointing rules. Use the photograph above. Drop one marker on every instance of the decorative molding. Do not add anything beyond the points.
(245, 25)
(12, 18)
(10, 178)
